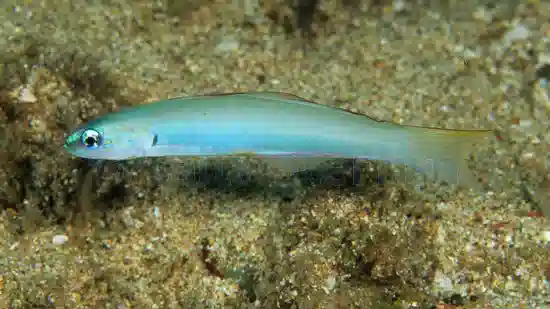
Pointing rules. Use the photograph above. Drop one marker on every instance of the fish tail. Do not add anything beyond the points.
(443, 154)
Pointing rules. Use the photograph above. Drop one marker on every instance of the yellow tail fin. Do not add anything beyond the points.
(443, 154)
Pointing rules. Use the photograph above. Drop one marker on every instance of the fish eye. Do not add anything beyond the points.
(90, 138)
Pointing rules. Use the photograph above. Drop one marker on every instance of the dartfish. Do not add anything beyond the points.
(271, 125)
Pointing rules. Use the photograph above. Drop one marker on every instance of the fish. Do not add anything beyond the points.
(284, 130)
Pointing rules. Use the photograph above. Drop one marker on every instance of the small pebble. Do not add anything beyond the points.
(483, 14)
(518, 33)
(525, 123)
(331, 283)
(399, 6)
(443, 282)
(26, 96)
(60, 239)
(228, 44)
(156, 212)
(528, 155)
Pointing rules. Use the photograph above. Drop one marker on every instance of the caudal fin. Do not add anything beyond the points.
(443, 154)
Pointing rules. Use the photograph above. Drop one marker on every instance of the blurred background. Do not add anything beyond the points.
(159, 233)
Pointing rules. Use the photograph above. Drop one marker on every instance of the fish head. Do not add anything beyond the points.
(108, 142)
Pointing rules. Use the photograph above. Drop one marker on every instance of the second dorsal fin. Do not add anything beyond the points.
(276, 95)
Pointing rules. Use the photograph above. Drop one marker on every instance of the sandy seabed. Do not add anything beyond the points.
(156, 233)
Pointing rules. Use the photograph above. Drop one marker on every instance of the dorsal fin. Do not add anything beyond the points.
(275, 95)
(266, 94)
